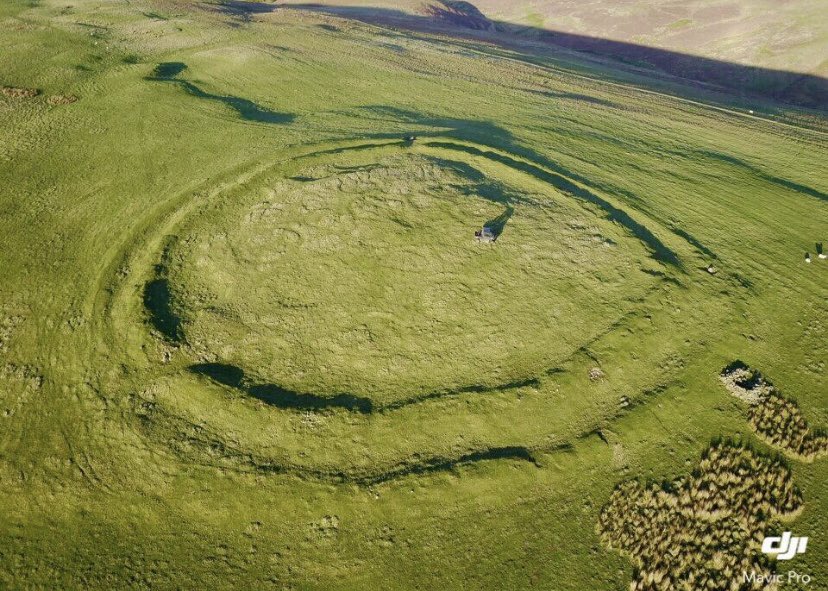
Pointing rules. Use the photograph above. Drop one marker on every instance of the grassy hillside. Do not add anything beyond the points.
(756, 50)
(784, 36)
(248, 338)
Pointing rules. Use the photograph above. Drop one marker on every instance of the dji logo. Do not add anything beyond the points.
(785, 547)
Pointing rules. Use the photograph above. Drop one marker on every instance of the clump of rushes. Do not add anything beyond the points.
(703, 531)
(776, 419)
(19, 93)
(779, 422)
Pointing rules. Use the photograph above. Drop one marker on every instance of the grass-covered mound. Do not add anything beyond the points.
(363, 276)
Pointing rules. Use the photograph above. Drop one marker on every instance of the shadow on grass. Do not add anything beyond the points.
(498, 224)
(659, 250)
(699, 75)
(485, 189)
(414, 466)
(535, 164)
(158, 303)
(481, 132)
(248, 110)
(277, 396)
(778, 181)
(233, 377)
(580, 98)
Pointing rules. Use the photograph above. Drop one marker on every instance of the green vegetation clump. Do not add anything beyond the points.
(702, 531)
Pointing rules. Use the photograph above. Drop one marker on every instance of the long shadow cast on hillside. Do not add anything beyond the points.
(773, 179)
(462, 19)
(234, 377)
(248, 110)
(488, 133)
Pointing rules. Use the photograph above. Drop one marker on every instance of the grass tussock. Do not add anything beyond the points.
(780, 422)
(705, 530)
(62, 99)
(19, 93)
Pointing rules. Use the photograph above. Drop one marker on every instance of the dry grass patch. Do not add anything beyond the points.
(19, 93)
(62, 99)
(779, 422)
(705, 530)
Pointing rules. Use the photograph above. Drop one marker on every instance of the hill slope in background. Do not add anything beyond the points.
(790, 35)
(781, 35)
(750, 50)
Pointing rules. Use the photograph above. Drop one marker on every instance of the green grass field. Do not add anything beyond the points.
(248, 339)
